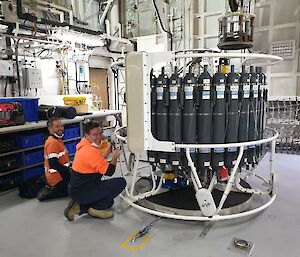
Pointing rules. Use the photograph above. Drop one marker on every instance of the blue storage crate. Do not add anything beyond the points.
(71, 147)
(34, 157)
(27, 141)
(10, 181)
(71, 132)
(68, 147)
(74, 146)
(34, 172)
(30, 106)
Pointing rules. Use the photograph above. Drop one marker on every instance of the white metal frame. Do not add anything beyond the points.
(150, 143)
(234, 179)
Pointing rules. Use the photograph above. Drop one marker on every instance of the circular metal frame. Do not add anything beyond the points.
(131, 199)
(216, 217)
(237, 206)
(249, 56)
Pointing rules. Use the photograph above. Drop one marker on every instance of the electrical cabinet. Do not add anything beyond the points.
(32, 78)
(6, 68)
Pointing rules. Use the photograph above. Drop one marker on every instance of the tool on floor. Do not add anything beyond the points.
(207, 228)
(145, 230)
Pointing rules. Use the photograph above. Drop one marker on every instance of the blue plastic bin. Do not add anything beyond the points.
(71, 132)
(68, 147)
(71, 147)
(34, 157)
(34, 172)
(30, 140)
(30, 106)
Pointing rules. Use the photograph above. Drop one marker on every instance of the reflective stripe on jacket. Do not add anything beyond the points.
(54, 148)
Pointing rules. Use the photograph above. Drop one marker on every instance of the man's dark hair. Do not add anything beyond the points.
(89, 126)
(51, 121)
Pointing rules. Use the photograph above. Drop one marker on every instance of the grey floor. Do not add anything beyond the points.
(29, 228)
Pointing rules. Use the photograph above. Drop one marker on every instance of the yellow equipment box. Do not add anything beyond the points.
(74, 100)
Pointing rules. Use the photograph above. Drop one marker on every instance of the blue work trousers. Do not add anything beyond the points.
(101, 196)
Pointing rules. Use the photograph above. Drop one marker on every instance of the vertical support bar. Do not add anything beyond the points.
(212, 182)
(135, 169)
(107, 25)
(272, 157)
(153, 179)
(81, 128)
(271, 167)
(231, 179)
(102, 18)
(196, 180)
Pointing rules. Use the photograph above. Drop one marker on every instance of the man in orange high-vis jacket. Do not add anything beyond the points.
(90, 194)
(56, 163)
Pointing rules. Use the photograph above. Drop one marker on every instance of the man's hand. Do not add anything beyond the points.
(107, 153)
(114, 156)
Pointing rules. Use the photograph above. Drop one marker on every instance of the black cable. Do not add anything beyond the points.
(115, 73)
(76, 78)
(17, 66)
(5, 88)
(43, 50)
(10, 29)
(117, 88)
(22, 26)
(98, 16)
(233, 5)
(187, 65)
(168, 32)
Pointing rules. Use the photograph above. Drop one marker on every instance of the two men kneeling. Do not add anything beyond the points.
(83, 182)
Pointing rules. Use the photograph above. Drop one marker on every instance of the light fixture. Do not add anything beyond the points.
(73, 37)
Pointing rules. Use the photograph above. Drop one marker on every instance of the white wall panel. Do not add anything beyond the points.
(261, 42)
(285, 66)
(211, 42)
(286, 11)
(283, 87)
(214, 5)
(211, 24)
(262, 16)
(284, 34)
(298, 85)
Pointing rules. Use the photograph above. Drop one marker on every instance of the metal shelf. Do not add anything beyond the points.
(36, 125)
(25, 167)
(21, 168)
(8, 191)
(21, 150)
(103, 114)
(71, 139)
(34, 147)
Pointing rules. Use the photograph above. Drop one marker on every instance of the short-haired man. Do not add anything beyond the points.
(90, 194)
(56, 163)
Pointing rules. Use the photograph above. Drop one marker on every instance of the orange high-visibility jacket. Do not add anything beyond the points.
(54, 147)
(88, 159)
